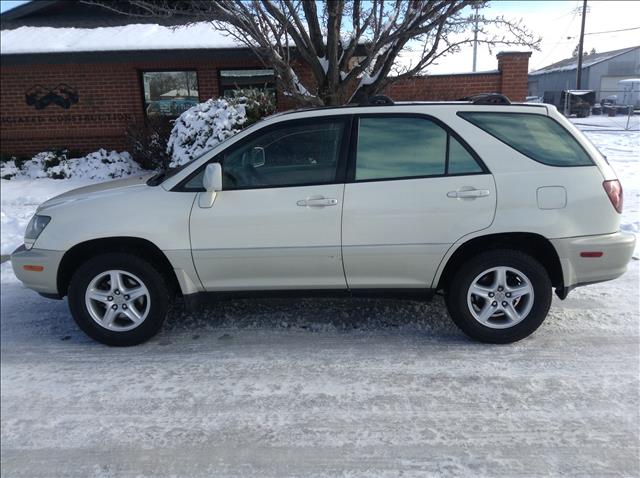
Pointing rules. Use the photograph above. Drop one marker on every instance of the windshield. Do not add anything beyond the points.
(175, 170)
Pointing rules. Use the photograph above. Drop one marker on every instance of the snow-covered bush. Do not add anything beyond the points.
(203, 126)
(99, 165)
(257, 103)
(34, 168)
(9, 168)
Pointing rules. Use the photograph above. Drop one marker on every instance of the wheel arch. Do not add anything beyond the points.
(533, 244)
(144, 248)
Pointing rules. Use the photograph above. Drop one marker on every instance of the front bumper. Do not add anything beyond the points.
(616, 249)
(45, 281)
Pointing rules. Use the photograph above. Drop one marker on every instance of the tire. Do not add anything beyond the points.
(92, 299)
(499, 318)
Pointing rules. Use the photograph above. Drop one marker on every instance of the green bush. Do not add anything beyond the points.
(147, 142)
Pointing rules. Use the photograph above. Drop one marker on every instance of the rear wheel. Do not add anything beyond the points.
(118, 299)
(499, 296)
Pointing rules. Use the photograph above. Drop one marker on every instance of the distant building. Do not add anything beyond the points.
(601, 72)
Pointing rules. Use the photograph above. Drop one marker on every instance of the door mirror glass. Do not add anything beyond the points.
(212, 180)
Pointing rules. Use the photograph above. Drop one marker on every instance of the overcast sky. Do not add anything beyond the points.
(554, 21)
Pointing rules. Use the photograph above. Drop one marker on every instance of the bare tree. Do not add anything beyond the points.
(352, 48)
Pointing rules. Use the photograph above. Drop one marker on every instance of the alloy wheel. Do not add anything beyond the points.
(500, 297)
(117, 300)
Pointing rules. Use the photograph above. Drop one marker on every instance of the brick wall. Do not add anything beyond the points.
(510, 79)
(514, 71)
(110, 97)
(443, 87)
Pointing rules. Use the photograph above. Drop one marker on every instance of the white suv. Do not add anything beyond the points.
(493, 204)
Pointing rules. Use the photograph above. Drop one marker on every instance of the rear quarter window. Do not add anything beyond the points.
(536, 136)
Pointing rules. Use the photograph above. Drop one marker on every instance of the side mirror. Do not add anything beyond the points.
(257, 157)
(212, 182)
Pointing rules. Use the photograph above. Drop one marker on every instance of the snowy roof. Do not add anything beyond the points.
(587, 61)
(117, 38)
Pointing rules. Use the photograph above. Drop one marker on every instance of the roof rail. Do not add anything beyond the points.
(487, 99)
(376, 100)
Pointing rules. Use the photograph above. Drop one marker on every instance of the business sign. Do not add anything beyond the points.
(52, 106)
(62, 95)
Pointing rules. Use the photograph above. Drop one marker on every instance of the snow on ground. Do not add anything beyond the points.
(610, 123)
(320, 388)
(324, 387)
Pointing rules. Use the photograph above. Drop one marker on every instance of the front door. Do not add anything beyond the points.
(415, 189)
(276, 223)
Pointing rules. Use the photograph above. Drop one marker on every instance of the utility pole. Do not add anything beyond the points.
(580, 46)
(475, 36)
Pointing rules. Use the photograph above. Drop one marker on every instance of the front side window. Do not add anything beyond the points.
(293, 154)
(405, 147)
(536, 136)
(169, 93)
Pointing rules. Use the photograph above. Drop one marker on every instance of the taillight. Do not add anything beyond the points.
(614, 191)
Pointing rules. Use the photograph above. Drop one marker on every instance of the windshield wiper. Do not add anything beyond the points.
(157, 178)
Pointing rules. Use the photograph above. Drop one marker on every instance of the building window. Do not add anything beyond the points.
(169, 93)
(233, 80)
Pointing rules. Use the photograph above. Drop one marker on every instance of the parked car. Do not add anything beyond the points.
(494, 205)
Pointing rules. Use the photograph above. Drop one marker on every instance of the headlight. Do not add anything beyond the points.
(35, 227)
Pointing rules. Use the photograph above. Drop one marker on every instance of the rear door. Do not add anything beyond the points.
(414, 188)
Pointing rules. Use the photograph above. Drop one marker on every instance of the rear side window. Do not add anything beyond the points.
(408, 147)
(460, 160)
(538, 137)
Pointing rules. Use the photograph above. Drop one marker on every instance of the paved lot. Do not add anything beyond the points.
(276, 388)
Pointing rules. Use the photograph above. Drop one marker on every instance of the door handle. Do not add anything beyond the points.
(317, 202)
(468, 194)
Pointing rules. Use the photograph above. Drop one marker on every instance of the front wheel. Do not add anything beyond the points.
(118, 299)
(499, 296)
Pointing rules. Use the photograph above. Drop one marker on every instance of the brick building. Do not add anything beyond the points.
(75, 76)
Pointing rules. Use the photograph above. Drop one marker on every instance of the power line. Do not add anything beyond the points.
(609, 31)
(613, 31)
(552, 49)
